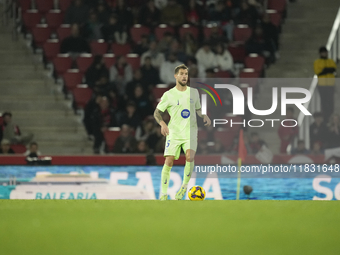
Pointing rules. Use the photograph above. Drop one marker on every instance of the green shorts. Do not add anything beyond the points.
(173, 146)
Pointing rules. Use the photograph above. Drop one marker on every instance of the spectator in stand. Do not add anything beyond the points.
(143, 46)
(137, 81)
(333, 133)
(6, 147)
(217, 37)
(93, 28)
(91, 107)
(318, 130)
(77, 13)
(75, 44)
(33, 151)
(172, 14)
(116, 102)
(102, 118)
(270, 31)
(131, 116)
(125, 143)
(316, 149)
(175, 48)
(247, 15)
(142, 102)
(287, 134)
(167, 69)
(194, 13)
(124, 15)
(155, 139)
(160, 4)
(96, 71)
(261, 45)
(11, 132)
(206, 57)
(150, 74)
(145, 130)
(325, 68)
(102, 86)
(255, 143)
(114, 32)
(190, 45)
(165, 42)
(224, 59)
(149, 15)
(121, 74)
(157, 57)
(221, 15)
(301, 148)
(103, 12)
(142, 147)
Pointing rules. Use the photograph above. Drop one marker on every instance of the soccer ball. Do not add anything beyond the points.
(196, 193)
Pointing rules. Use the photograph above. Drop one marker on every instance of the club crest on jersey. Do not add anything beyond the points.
(185, 114)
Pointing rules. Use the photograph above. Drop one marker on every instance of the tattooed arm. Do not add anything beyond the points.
(158, 117)
(206, 119)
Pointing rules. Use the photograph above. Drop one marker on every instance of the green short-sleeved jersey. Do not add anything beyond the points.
(181, 106)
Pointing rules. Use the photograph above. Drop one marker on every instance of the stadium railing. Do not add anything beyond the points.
(333, 46)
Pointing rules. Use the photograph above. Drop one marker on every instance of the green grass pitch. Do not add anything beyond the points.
(169, 227)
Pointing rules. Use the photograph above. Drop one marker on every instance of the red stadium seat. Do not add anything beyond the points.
(81, 95)
(255, 62)
(54, 18)
(207, 30)
(109, 59)
(275, 17)
(133, 60)
(41, 33)
(44, 6)
(225, 136)
(64, 4)
(278, 5)
(99, 47)
(110, 137)
(242, 33)
(238, 52)
(223, 74)
(137, 31)
(1, 121)
(63, 31)
(19, 148)
(72, 78)
(84, 61)
(51, 49)
(61, 63)
(120, 49)
(187, 29)
(159, 90)
(31, 18)
(24, 5)
(250, 77)
(161, 29)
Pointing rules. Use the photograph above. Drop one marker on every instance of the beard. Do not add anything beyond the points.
(183, 84)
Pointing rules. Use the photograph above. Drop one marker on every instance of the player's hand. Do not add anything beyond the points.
(164, 129)
(206, 120)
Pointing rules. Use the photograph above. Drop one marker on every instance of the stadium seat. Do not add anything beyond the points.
(110, 137)
(250, 77)
(242, 33)
(120, 49)
(278, 5)
(54, 18)
(72, 78)
(1, 121)
(61, 63)
(63, 31)
(225, 136)
(255, 62)
(109, 59)
(223, 74)
(30, 19)
(44, 6)
(159, 90)
(51, 49)
(99, 47)
(81, 95)
(18, 148)
(207, 30)
(41, 33)
(161, 29)
(84, 61)
(137, 31)
(64, 4)
(24, 5)
(187, 29)
(133, 60)
(238, 52)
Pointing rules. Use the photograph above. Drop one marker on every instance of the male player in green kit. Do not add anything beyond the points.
(182, 103)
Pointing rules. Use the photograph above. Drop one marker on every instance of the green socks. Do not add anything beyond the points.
(189, 166)
(165, 178)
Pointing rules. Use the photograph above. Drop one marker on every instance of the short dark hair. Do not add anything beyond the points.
(33, 143)
(323, 49)
(6, 114)
(180, 67)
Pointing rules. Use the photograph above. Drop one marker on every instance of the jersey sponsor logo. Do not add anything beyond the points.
(185, 114)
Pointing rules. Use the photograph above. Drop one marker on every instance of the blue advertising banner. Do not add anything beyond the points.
(143, 182)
